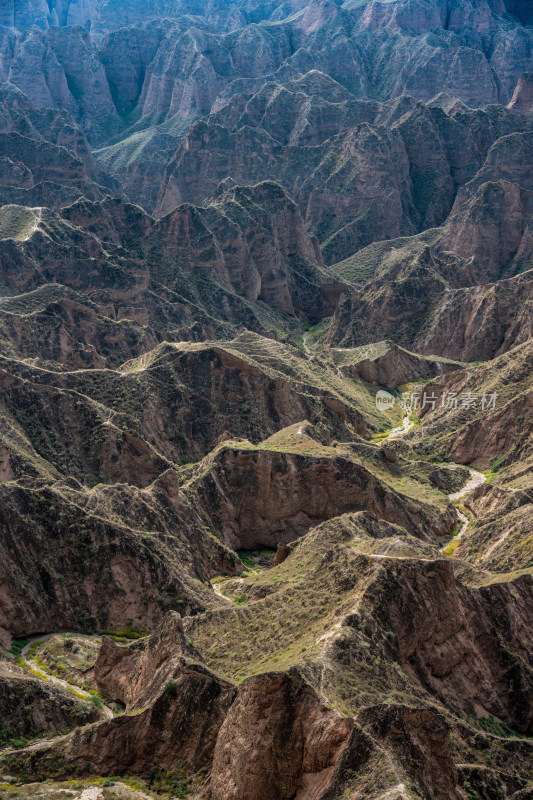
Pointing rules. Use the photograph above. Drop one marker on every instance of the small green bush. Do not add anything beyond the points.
(171, 688)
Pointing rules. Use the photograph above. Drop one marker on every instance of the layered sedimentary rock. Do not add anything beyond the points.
(169, 675)
(386, 364)
(281, 484)
(309, 122)
(337, 34)
(486, 429)
(199, 269)
(224, 228)
(445, 291)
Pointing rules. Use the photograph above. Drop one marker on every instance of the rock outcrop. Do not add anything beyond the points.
(386, 364)
(437, 294)
(274, 726)
(288, 91)
(81, 560)
(500, 539)
(295, 490)
(225, 227)
(481, 411)
(197, 271)
(522, 99)
(443, 47)
(91, 459)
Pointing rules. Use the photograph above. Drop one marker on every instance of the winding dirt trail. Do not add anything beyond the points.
(53, 679)
(218, 591)
(402, 429)
(49, 678)
(476, 479)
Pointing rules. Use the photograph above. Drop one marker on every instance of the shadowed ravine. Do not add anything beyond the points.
(266, 400)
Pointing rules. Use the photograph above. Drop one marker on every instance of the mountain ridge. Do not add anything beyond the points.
(266, 407)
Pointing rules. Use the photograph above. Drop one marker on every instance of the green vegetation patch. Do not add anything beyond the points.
(18, 222)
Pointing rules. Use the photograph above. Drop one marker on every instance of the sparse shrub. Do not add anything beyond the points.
(171, 688)
(497, 463)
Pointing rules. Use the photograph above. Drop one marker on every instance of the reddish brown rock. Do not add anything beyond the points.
(278, 739)
(522, 99)
(293, 491)
(132, 675)
(456, 653)
(386, 364)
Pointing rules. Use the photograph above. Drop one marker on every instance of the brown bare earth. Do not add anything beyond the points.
(266, 400)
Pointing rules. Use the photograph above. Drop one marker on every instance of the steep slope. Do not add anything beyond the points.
(386, 364)
(484, 416)
(280, 83)
(187, 276)
(454, 311)
(57, 127)
(31, 709)
(494, 421)
(361, 750)
(428, 39)
(76, 445)
(266, 308)
(80, 559)
(282, 471)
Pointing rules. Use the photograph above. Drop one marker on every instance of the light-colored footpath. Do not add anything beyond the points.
(476, 479)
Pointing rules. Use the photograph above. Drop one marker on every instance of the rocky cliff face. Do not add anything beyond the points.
(386, 364)
(46, 158)
(280, 483)
(450, 38)
(359, 171)
(486, 240)
(230, 260)
(266, 308)
(276, 722)
(82, 470)
(483, 435)
(522, 99)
